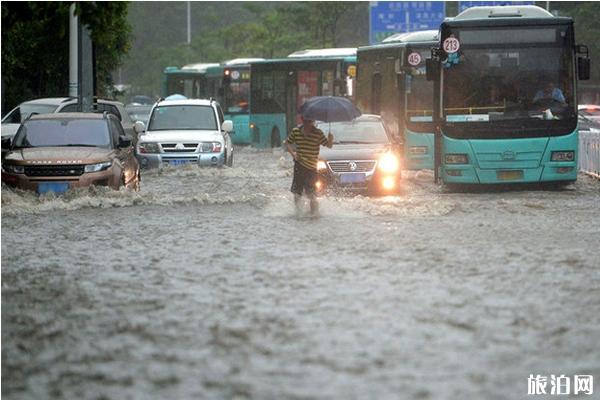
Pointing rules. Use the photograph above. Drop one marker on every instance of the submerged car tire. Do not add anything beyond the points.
(229, 160)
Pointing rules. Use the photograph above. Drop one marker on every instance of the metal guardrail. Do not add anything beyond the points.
(589, 153)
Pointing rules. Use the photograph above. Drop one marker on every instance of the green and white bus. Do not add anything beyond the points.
(189, 80)
(505, 96)
(280, 86)
(229, 84)
(391, 82)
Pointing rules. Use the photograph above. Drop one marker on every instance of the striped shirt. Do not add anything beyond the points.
(307, 145)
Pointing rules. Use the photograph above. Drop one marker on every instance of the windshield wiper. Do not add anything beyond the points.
(74, 145)
(353, 142)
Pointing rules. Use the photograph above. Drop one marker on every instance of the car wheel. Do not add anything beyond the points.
(230, 160)
(275, 138)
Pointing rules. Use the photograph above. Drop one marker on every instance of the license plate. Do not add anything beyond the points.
(178, 162)
(352, 178)
(56, 187)
(510, 175)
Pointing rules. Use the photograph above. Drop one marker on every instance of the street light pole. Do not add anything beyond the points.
(189, 23)
(73, 57)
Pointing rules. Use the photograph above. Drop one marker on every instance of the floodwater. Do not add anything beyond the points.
(206, 285)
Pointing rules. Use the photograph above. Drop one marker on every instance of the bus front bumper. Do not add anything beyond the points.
(468, 174)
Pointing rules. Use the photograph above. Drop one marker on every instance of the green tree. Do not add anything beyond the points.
(35, 46)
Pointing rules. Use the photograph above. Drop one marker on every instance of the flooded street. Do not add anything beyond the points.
(206, 285)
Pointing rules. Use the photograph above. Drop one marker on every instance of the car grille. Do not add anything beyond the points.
(54, 170)
(187, 147)
(345, 166)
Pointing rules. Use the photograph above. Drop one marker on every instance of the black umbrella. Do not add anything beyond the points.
(329, 109)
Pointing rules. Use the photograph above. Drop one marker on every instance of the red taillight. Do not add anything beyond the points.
(216, 147)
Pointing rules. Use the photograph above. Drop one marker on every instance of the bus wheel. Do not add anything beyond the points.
(275, 138)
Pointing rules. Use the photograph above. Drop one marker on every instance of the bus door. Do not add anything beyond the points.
(376, 93)
(291, 109)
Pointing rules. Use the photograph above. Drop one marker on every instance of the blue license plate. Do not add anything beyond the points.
(178, 162)
(56, 187)
(352, 178)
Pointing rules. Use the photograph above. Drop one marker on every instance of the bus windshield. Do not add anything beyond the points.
(505, 76)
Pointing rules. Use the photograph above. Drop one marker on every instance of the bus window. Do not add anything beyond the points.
(308, 86)
(327, 83)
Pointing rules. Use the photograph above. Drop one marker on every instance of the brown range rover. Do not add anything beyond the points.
(56, 152)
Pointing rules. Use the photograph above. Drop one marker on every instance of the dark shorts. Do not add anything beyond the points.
(305, 180)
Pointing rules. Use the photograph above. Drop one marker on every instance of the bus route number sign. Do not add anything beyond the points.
(451, 45)
(414, 59)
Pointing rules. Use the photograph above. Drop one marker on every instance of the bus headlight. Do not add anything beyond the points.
(457, 159)
(389, 163)
(418, 149)
(563, 156)
(321, 165)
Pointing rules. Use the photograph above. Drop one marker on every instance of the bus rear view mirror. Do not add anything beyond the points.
(431, 69)
(583, 68)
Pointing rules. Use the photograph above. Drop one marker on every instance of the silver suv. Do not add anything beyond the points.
(185, 131)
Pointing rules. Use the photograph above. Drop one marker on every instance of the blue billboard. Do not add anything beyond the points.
(463, 5)
(389, 17)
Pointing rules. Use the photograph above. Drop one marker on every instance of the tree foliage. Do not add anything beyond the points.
(35, 46)
(255, 29)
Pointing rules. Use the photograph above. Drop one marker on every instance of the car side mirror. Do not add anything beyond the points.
(139, 127)
(583, 68)
(227, 126)
(124, 141)
(6, 143)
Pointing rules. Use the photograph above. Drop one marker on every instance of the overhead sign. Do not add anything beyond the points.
(463, 5)
(389, 17)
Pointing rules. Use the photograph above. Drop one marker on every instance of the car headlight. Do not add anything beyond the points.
(211, 147)
(563, 156)
(321, 165)
(389, 163)
(13, 169)
(457, 159)
(148, 147)
(98, 167)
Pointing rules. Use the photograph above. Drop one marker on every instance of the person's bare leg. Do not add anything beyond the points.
(314, 205)
(298, 203)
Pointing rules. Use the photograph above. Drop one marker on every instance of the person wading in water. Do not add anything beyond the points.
(307, 140)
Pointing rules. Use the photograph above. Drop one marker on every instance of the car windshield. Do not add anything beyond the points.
(139, 113)
(63, 132)
(355, 131)
(23, 112)
(183, 117)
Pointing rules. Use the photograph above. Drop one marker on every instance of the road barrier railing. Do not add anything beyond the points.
(589, 153)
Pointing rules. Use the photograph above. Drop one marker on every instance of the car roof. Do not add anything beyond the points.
(185, 102)
(69, 115)
(588, 107)
(60, 100)
(362, 118)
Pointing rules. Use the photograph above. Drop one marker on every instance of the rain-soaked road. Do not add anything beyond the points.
(205, 285)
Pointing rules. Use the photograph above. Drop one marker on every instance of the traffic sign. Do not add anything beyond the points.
(389, 17)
